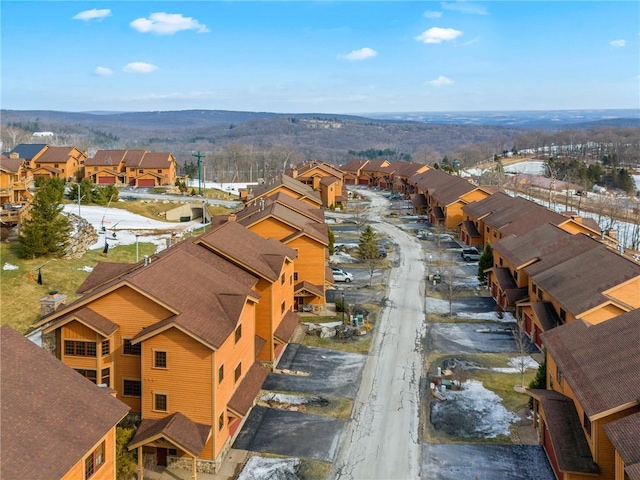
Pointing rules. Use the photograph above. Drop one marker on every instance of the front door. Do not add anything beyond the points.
(162, 456)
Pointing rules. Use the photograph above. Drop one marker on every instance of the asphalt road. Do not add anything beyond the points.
(382, 440)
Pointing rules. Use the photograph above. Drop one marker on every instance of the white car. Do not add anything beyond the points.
(340, 275)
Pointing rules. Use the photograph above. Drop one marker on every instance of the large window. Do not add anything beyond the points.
(160, 402)
(79, 348)
(105, 348)
(94, 461)
(160, 359)
(132, 388)
(88, 374)
(128, 349)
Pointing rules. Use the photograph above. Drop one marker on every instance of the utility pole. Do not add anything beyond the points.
(79, 199)
(199, 156)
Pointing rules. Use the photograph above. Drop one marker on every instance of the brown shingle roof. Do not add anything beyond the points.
(51, 415)
(10, 165)
(567, 436)
(176, 428)
(106, 158)
(442, 187)
(577, 283)
(325, 167)
(314, 213)
(287, 326)
(601, 363)
(633, 471)
(245, 394)
(156, 160)
(133, 157)
(624, 433)
(102, 325)
(300, 189)
(309, 287)
(56, 155)
(102, 273)
(353, 165)
(520, 250)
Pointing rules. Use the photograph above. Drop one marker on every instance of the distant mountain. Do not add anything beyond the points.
(552, 119)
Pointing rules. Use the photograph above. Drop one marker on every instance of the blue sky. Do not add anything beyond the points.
(325, 56)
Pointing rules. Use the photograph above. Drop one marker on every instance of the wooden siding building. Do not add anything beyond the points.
(323, 178)
(54, 423)
(587, 417)
(15, 180)
(138, 168)
(256, 194)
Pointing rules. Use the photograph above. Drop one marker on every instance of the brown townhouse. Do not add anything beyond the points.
(254, 194)
(176, 337)
(577, 278)
(106, 167)
(588, 417)
(15, 179)
(54, 423)
(402, 172)
(66, 163)
(442, 196)
(324, 178)
(301, 227)
(376, 173)
(500, 215)
(352, 171)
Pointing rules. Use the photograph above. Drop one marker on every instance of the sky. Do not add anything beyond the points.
(320, 57)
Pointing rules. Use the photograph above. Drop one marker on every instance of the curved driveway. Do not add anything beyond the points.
(382, 440)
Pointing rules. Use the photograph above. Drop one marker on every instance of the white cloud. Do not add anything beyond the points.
(361, 54)
(432, 14)
(102, 71)
(93, 14)
(618, 43)
(465, 7)
(470, 42)
(163, 23)
(441, 80)
(139, 67)
(438, 35)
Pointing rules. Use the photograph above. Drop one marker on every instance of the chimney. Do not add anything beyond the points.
(14, 155)
(51, 302)
(146, 260)
(232, 217)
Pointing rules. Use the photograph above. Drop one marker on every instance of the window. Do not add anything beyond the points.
(220, 373)
(159, 171)
(172, 451)
(160, 402)
(132, 169)
(79, 348)
(94, 461)
(290, 279)
(105, 348)
(132, 388)
(487, 229)
(221, 421)
(238, 372)
(95, 169)
(160, 359)
(238, 334)
(563, 315)
(540, 293)
(105, 377)
(140, 171)
(586, 423)
(295, 276)
(282, 307)
(128, 349)
(56, 165)
(88, 374)
(282, 279)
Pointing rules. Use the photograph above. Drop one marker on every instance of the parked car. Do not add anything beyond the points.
(382, 251)
(470, 254)
(340, 275)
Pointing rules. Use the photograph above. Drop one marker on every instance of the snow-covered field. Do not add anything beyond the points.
(126, 225)
(533, 167)
(232, 188)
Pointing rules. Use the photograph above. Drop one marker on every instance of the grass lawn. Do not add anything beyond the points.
(351, 345)
(153, 208)
(20, 295)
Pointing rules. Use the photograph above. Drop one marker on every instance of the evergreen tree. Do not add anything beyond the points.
(332, 240)
(47, 231)
(486, 261)
(84, 190)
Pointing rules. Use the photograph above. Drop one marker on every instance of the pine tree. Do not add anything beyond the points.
(47, 232)
(486, 261)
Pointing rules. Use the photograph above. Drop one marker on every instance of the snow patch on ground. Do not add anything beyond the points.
(341, 257)
(473, 411)
(284, 398)
(86, 268)
(260, 468)
(9, 266)
(515, 364)
(507, 317)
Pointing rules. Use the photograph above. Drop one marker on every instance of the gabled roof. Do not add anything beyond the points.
(133, 157)
(303, 208)
(156, 160)
(245, 394)
(203, 293)
(177, 428)
(239, 245)
(11, 165)
(300, 189)
(578, 282)
(407, 169)
(51, 415)
(287, 327)
(302, 223)
(354, 165)
(28, 150)
(377, 166)
(624, 434)
(102, 273)
(106, 158)
(442, 187)
(57, 154)
(325, 167)
(309, 287)
(521, 250)
(88, 317)
(601, 363)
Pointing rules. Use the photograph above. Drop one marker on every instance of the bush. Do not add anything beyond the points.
(126, 461)
(540, 380)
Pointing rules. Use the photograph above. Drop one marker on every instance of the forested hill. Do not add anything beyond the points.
(319, 136)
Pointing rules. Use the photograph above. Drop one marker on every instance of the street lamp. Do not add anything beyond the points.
(137, 235)
(343, 307)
